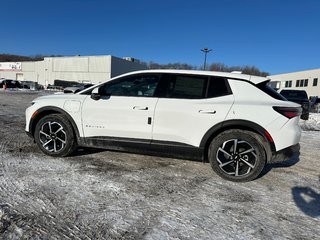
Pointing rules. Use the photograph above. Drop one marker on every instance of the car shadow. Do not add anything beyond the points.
(86, 151)
(307, 200)
(288, 163)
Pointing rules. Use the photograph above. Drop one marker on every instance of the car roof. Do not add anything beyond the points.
(240, 76)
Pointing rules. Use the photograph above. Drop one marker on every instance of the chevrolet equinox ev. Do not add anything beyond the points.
(235, 122)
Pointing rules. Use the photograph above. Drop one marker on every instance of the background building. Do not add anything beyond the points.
(308, 80)
(83, 69)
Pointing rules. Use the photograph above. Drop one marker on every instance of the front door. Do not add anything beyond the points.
(125, 110)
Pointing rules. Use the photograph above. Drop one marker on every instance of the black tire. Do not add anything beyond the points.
(244, 163)
(54, 136)
(305, 116)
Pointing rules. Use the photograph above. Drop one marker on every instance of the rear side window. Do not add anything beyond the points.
(218, 87)
(188, 87)
(195, 87)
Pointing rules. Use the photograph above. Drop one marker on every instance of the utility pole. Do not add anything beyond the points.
(206, 51)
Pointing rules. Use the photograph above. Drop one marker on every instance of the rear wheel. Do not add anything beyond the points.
(305, 116)
(54, 135)
(237, 155)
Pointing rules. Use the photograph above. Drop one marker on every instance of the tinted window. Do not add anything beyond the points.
(189, 87)
(140, 86)
(218, 87)
(294, 94)
(270, 91)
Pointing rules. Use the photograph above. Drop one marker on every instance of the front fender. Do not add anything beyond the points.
(41, 112)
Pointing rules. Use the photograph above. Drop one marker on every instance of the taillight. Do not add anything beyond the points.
(289, 112)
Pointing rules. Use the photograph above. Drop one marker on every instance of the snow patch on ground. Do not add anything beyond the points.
(313, 124)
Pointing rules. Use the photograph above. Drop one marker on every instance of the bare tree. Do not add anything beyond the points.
(185, 66)
(251, 70)
(17, 58)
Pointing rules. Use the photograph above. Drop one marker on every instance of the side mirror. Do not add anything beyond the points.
(95, 95)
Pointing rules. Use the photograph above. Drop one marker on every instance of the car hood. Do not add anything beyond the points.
(59, 97)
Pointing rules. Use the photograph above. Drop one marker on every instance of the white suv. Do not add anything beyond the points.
(234, 121)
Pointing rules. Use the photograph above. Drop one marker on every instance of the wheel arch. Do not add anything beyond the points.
(242, 125)
(52, 110)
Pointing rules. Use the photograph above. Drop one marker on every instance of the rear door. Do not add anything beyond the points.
(189, 106)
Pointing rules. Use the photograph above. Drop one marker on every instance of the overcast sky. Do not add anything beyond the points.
(276, 36)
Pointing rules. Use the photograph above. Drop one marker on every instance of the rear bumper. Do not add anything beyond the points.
(285, 154)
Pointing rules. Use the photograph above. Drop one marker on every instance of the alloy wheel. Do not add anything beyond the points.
(236, 157)
(52, 136)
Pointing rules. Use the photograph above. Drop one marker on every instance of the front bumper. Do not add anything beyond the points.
(285, 154)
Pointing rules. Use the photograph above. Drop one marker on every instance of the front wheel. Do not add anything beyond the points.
(237, 155)
(54, 135)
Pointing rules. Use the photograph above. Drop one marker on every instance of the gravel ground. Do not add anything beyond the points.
(111, 195)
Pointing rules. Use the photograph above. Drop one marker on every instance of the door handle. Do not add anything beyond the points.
(140, 108)
(207, 112)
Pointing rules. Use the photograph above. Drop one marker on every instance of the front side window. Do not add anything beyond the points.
(133, 86)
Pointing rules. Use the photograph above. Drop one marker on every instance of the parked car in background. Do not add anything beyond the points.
(234, 121)
(32, 85)
(15, 84)
(77, 88)
(54, 88)
(10, 83)
(314, 104)
(300, 97)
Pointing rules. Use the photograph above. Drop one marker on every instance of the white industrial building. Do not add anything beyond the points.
(308, 80)
(82, 69)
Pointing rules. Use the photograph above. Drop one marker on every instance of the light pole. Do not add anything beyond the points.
(206, 51)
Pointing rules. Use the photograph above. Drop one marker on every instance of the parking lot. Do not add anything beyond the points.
(111, 195)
